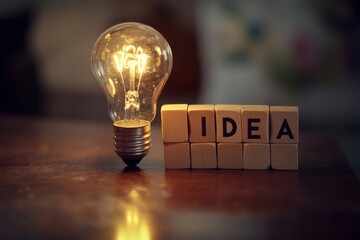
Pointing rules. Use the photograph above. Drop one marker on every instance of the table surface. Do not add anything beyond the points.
(60, 179)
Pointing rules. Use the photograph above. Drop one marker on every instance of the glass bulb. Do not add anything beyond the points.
(132, 63)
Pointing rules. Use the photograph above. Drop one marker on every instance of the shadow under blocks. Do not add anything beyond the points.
(230, 136)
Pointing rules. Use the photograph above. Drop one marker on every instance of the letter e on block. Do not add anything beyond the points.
(228, 123)
(202, 123)
(255, 123)
(174, 123)
(284, 127)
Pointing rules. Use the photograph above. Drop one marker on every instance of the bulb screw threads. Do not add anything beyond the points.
(132, 143)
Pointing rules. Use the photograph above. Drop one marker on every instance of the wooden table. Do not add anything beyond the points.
(61, 180)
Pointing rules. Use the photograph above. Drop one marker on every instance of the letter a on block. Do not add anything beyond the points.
(228, 123)
(284, 125)
(285, 130)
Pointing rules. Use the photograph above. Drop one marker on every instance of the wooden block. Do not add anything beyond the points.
(201, 123)
(203, 155)
(255, 123)
(284, 156)
(284, 124)
(256, 156)
(177, 155)
(228, 123)
(174, 123)
(229, 155)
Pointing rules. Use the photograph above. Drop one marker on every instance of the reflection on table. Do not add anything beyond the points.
(62, 180)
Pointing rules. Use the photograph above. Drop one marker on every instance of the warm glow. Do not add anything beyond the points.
(132, 63)
(133, 60)
(135, 227)
(111, 87)
(135, 224)
(131, 123)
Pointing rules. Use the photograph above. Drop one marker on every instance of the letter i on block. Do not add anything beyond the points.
(284, 137)
(174, 123)
(202, 136)
(202, 123)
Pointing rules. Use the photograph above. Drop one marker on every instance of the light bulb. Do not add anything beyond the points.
(132, 63)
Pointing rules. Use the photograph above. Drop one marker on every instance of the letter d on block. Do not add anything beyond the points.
(228, 123)
(232, 122)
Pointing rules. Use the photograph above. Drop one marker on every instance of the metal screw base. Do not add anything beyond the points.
(132, 143)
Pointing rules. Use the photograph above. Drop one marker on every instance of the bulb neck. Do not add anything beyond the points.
(132, 143)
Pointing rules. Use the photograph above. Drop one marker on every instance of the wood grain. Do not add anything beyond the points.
(256, 156)
(284, 156)
(177, 155)
(174, 123)
(203, 155)
(230, 155)
(61, 179)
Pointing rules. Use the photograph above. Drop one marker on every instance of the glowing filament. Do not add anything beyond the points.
(131, 59)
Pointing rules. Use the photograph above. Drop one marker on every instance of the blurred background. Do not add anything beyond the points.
(275, 52)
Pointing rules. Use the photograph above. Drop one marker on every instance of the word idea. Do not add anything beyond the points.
(255, 137)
